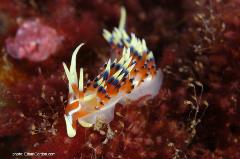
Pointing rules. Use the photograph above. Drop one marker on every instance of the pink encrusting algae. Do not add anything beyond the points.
(34, 41)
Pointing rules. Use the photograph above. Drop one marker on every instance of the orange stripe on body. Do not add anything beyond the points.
(143, 74)
(76, 116)
(152, 69)
(111, 90)
(76, 91)
(71, 106)
(102, 97)
(127, 86)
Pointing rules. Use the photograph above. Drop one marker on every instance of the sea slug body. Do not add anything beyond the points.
(132, 76)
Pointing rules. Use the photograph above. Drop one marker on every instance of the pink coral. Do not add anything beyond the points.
(34, 41)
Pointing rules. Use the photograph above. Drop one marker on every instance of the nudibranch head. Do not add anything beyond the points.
(131, 76)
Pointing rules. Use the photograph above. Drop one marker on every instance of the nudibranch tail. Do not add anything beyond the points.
(131, 76)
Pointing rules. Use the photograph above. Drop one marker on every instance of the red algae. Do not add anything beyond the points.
(196, 114)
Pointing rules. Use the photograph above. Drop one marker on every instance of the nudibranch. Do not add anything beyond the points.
(130, 77)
